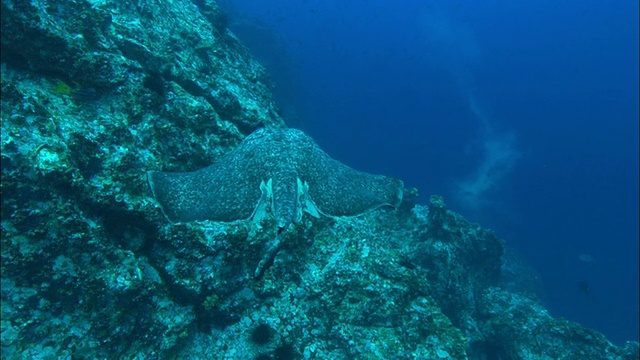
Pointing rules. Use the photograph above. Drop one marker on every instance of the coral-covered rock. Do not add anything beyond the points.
(95, 94)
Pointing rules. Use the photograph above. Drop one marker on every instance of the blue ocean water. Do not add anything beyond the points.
(523, 115)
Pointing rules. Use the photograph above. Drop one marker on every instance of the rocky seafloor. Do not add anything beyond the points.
(95, 94)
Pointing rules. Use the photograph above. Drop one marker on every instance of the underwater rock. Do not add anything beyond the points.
(92, 269)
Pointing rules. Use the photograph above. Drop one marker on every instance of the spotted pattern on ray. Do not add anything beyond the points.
(282, 171)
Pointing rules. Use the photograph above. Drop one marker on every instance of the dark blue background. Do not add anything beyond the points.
(523, 115)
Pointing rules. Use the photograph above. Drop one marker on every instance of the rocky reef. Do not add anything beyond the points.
(95, 94)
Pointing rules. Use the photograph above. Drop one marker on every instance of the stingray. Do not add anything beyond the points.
(274, 172)
(281, 171)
